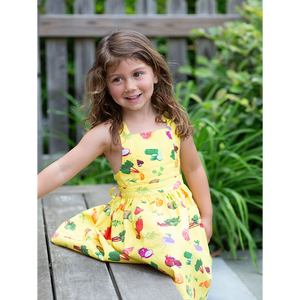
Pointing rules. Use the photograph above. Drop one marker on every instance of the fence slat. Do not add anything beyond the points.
(114, 7)
(231, 4)
(57, 80)
(206, 7)
(204, 46)
(177, 47)
(84, 56)
(38, 145)
(147, 7)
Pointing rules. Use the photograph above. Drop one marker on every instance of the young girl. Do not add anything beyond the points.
(136, 123)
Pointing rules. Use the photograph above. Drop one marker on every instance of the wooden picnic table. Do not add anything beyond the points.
(66, 274)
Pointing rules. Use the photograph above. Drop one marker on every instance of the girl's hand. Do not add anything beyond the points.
(207, 223)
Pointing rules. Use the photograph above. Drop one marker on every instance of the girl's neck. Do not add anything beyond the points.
(138, 122)
(135, 116)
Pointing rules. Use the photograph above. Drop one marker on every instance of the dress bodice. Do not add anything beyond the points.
(149, 157)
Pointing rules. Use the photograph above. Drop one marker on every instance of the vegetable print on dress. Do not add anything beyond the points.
(152, 217)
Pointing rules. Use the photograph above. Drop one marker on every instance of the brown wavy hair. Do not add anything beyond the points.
(112, 49)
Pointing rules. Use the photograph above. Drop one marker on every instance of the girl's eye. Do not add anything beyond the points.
(137, 74)
(118, 79)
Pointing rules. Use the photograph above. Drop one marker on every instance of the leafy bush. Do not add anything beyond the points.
(236, 69)
(226, 109)
(232, 158)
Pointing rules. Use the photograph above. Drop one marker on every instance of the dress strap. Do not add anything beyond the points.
(116, 190)
(125, 128)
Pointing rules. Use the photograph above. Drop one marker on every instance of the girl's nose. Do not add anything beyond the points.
(129, 86)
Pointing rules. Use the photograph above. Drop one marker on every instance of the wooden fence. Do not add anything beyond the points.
(84, 26)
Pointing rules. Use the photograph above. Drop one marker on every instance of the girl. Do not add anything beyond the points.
(137, 124)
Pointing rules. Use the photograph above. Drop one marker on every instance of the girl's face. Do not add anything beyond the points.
(131, 84)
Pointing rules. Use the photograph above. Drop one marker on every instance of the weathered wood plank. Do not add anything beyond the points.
(84, 56)
(37, 70)
(44, 281)
(38, 145)
(147, 7)
(57, 81)
(38, 142)
(206, 7)
(76, 276)
(137, 282)
(55, 6)
(100, 196)
(114, 7)
(177, 47)
(204, 46)
(97, 189)
(231, 4)
(149, 25)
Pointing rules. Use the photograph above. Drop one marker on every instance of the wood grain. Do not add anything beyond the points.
(44, 291)
(85, 49)
(149, 25)
(76, 276)
(137, 282)
(57, 82)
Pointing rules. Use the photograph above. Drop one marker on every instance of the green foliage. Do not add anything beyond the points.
(236, 70)
(231, 153)
(226, 109)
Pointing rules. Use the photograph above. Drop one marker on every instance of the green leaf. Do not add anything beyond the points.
(242, 76)
(202, 60)
(186, 69)
(234, 48)
(230, 74)
(236, 89)
(210, 123)
(221, 93)
(199, 31)
(203, 73)
(196, 98)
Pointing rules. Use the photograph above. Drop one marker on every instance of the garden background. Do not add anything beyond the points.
(223, 97)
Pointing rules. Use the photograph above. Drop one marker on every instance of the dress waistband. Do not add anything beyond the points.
(162, 186)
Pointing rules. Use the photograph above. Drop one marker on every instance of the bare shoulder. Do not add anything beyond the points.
(187, 142)
(99, 136)
(189, 157)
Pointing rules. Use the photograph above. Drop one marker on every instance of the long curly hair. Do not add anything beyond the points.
(112, 50)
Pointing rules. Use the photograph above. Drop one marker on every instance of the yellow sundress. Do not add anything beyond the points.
(152, 217)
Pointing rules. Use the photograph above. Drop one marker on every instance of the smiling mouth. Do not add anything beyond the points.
(134, 98)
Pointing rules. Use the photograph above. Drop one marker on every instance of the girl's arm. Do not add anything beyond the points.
(93, 144)
(195, 176)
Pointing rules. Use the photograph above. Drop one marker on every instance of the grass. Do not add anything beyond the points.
(231, 154)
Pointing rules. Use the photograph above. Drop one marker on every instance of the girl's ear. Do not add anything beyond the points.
(155, 79)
